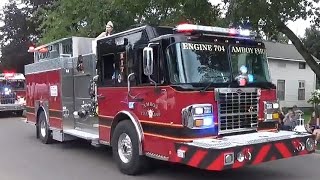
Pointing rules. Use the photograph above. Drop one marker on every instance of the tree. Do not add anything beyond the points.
(272, 16)
(68, 18)
(312, 41)
(18, 33)
(81, 18)
(14, 39)
(278, 37)
(170, 13)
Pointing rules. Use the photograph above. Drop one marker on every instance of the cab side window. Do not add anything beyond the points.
(108, 67)
(121, 69)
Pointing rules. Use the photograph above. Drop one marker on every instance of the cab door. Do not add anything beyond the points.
(150, 95)
(148, 98)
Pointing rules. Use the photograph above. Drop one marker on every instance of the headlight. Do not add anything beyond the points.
(271, 111)
(7, 91)
(198, 116)
(199, 110)
(276, 106)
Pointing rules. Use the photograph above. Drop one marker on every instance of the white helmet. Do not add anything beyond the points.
(109, 24)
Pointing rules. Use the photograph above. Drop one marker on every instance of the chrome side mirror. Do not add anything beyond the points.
(148, 61)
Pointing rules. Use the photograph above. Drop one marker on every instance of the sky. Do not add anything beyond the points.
(298, 27)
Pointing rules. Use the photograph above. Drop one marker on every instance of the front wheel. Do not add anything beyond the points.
(125, 149)
(43, 129)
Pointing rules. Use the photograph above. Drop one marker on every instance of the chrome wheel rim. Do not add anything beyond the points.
(125, 148)
(43, 128)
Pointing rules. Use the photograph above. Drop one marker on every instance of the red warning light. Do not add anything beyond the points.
(43, 50)
(9, 74)
(31, 49)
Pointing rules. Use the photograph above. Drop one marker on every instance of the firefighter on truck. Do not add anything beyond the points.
(196, 95)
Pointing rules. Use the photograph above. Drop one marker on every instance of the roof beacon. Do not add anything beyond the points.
(184, 28)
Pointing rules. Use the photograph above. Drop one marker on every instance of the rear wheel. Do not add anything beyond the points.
(43, 129)
(125, 148)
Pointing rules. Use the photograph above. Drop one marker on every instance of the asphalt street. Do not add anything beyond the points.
(23, 157)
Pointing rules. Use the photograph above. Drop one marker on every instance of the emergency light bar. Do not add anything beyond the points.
(219, 30)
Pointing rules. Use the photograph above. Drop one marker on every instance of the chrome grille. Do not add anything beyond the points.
(7, 99)
(238, 109)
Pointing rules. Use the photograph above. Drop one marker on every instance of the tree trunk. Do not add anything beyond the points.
(300, 47)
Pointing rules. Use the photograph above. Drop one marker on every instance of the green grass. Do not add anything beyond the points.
(307, 117)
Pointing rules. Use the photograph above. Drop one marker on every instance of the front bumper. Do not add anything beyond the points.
(255, 148)
(12, 107)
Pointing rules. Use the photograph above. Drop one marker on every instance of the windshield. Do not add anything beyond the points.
(254, 59)
(198, 63)
(12, 84)
(209, 63)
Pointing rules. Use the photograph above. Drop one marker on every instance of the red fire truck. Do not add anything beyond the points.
(12, 92)
(196, 95)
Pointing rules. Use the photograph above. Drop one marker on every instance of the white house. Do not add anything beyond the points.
(289, 72)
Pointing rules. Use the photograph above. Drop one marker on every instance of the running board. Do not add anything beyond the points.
(81, 134)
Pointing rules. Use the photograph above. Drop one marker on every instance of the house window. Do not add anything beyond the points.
(302, 65)
(301, 91)
(281, 84)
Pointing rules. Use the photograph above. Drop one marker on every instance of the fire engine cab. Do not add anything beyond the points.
(196, 95)
(12, 93)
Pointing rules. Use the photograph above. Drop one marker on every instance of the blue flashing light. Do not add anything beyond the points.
(208, 121)
(243, 69)
(213, 131)
(245, 32)
(250, 78)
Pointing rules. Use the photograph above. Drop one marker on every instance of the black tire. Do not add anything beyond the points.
(45, 138)
(137, 164)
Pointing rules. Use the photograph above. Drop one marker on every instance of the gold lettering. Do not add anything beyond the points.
(203, 47)
(219, 48)
(196, 46)
(184, 45)
(236, 49)
(247, 50)
(190, 46)
(259, 51)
